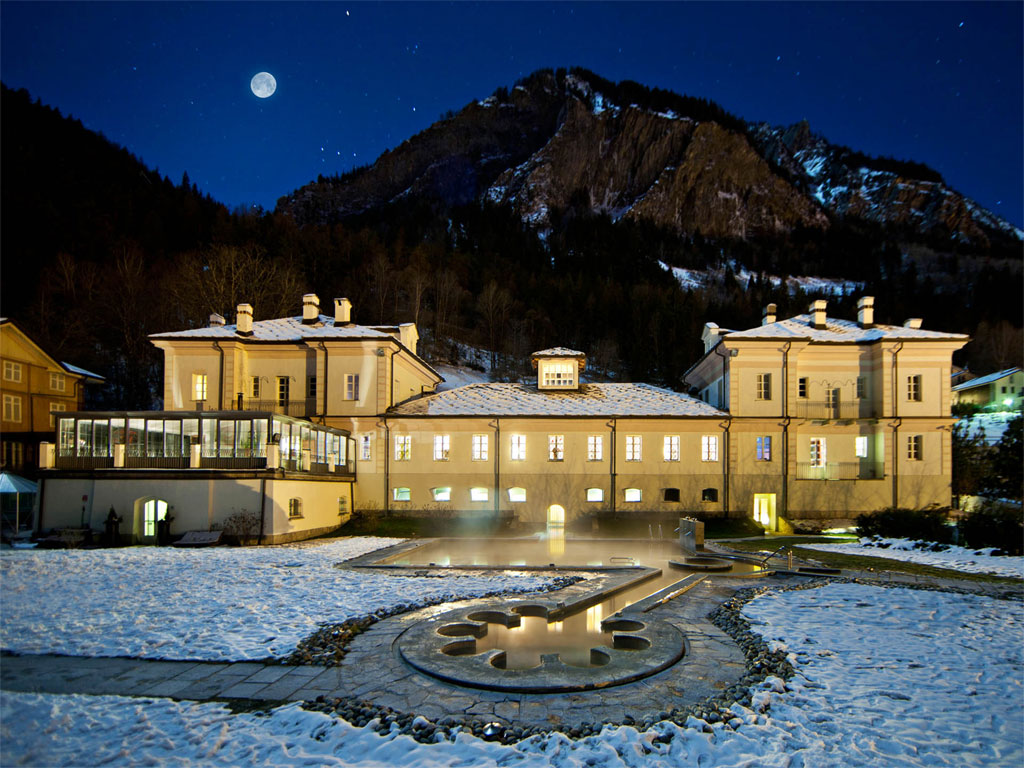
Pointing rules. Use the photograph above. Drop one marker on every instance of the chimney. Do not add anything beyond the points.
(408, 335)
(310, 309)
(769, 315)
(243, 320)
(817, 310)
(710, 336)
(342, 312)
(866, 311)
(216, 321)
(912, 322)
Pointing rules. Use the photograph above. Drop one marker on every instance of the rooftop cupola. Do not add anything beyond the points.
(818, 318)
(310, 309)
(769, 315)
(558, 369)
(866, 311)
(243, 320)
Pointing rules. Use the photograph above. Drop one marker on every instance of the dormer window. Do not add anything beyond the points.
(558, 369)
(558, 374)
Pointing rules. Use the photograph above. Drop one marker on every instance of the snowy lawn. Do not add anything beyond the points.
(884, 677)
(220, 604)
(953, 558)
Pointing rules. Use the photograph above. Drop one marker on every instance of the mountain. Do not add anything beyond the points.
(572, 141)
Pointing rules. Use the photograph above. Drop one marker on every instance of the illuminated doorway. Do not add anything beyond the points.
(148, 512)
(764, 510)
(556, 515)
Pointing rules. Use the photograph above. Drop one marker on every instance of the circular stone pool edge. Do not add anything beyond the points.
(421, 646)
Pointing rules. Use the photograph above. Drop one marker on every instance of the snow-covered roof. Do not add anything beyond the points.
(981, 381)
(836, 330)
(286, 329)
(559, 352)
(599, 400)
(82, 372)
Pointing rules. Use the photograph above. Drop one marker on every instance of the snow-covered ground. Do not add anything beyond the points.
(991, 425)
(459, 376)
(221, 603)
(953, 558)
(884, 677)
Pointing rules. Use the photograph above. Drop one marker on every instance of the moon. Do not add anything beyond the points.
(263, 85)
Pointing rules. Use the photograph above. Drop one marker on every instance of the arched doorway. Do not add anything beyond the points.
(148, 511)
(556, 515)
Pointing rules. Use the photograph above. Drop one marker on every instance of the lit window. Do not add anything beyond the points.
(282, 390)
(595, 494)
(862, 387)
(364, 447)
(634, 448)
(595, 448)
(351, 386)
(254, 389)
(56, 407)
(57, 381)
(556, 447)
(401, 494)
(633, 494)
(818, 453)
(861, 446)
(517, 451)
(403, 447)
(441, 446)
(12, 408)
(479, 494)
(294, 507)
(12, 371)
(709, 494)
(764, 386)
(914, 447)
(517, 494)
(801, 387)
(764, 448)
(442, 494)
(311, 387)
(559, 373)
(671, 494)
(671, 449)
(480, 448)
(199, 387)
(914, 388)
(709, 448)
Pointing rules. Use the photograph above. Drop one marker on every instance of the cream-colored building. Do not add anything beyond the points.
(1002, 390)
(808, 418)
(830, 418)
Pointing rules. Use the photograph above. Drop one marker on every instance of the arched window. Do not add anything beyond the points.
(633, 494)
(671, 494)
(517, 494)
(709, 494)
(595, 494)
(400, 494)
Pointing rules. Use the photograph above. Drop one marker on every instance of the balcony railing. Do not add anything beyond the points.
(844, 409)
(299, 408)
(840, 470)
(64, 460)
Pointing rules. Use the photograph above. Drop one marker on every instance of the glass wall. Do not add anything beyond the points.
(227, 439)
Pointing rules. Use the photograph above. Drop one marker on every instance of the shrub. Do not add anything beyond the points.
(243, 526)
(994, 525)
(900, 523)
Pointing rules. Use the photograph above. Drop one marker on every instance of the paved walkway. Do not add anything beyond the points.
(177, 679)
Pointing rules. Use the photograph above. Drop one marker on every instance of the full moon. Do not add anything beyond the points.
(263, 85)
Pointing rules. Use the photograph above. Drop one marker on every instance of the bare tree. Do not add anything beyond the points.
(219, 278)
(494, 304)
(417, 281)
(381, 277)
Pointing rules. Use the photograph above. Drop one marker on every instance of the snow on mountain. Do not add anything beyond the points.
(696, 279)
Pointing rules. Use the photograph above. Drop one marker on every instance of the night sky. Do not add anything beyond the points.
(939, 83)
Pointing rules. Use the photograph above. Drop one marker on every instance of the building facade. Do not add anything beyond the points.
(808, 418)
(34, 386)
(1002, 390)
